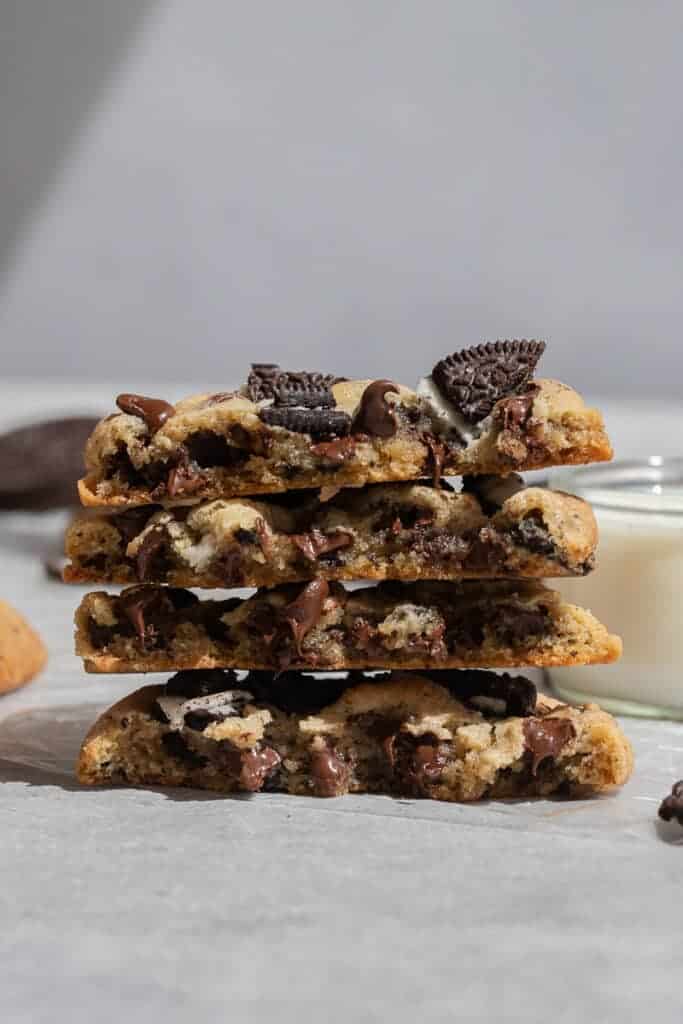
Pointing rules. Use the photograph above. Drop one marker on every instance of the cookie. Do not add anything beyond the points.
(285, 431)
(404, 735)
(40, 464)
(322, 625)
(22, 652)
(384, 531)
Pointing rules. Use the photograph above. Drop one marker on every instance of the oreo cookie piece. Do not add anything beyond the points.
(319, 423)
(488, 692)
(40, 464)
(474, 379)
(305, 395)
(266, 380)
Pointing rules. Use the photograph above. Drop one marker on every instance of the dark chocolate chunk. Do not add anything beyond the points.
(474, 379)
(546, 737)
(133, 521)
(319, 423)
(437, 455)
(40, 464)
(175, 746)
(208, 450)
(335, 452)
(516, 694)
(252, 768)
(303, 613)
(317, 543)
(184, 477)
(192, 683)
(374, 416)
(329, 773)
(143, 607)
(418, 761)
(513, 413)
(671, 807)
(489, 550)
(154, 411)
(517, 625)
(149, 551)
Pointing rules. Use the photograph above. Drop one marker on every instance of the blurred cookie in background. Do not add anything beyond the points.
(22, 652)
(40, 463)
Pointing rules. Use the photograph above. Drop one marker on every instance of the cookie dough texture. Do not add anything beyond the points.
(405, 736)
(470, 624)
(217, 446)
(386, 531)
(22, 652)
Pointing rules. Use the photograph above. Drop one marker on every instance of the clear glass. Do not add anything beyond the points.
(637, 587)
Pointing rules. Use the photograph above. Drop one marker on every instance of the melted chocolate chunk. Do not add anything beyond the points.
(335, 452)
(192, 683)
(154, 411)
(374, 415)
(144, 607)
(175, 746)
(329, 773)
(489, 550)
(303, 613)
(546, 737)
(184, 477)
(149, 551)
(671, 807)
(516, 695)
(319, 423)
(208, 450)
(513, 413)
(418, 761)
(474, 379)
(252, 768)
(317, 543)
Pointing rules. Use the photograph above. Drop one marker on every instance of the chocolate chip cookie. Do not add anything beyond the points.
(385, 531)
(322, 625)
(479, 412)
(404, 735)
(22, 652)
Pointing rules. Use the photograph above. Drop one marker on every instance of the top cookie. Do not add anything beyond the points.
(479, 412)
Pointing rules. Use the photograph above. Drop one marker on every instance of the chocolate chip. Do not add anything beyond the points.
(437, 455)
(489, 692)
(517, 625)
(671, 806)
(319, 423)
(40, 464)
(303, 613)
(154, 411)
(317, 543)
(191, 683)
(374, 415)
(489, 550)
(175, 746)
(546, 737)
(329, 773)
(513, 413)
(335, 452)
(208, 450)
(474, 379)
(140, 604)
(419, 761)
(251, 767)
(149, 550)
(184, 477)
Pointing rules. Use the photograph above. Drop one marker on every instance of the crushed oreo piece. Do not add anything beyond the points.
(295, 692)
(546, 737)
(175, 746)
(506, 695)
(671, 807)
(267, 380)
(154, 411)
(532, 533)
(191, 683)
(304, 395)
(374, 415)
(319, 423)
(474, 379)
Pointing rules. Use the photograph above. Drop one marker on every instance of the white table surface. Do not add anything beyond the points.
(131, 905)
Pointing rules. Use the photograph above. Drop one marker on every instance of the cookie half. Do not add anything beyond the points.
(403, 735)
(496, 528)
(323, 625)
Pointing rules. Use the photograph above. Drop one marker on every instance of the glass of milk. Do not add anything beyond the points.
(636, 589)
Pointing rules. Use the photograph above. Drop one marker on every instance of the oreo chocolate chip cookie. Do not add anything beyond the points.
(474, 379)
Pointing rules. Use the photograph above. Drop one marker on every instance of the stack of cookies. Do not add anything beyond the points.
(297, 484)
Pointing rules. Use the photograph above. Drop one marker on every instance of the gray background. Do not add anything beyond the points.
(359, 186)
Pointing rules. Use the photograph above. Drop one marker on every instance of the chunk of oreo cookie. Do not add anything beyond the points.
(321, 424)
(266, 379)
(40, 464)
(305, 395)
(190, 683)
(474, 379)
(488, 692)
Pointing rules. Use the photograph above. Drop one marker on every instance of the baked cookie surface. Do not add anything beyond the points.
(496, 528)
(323, 625)
(22, 652)
(403, 735)
(284, 431)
